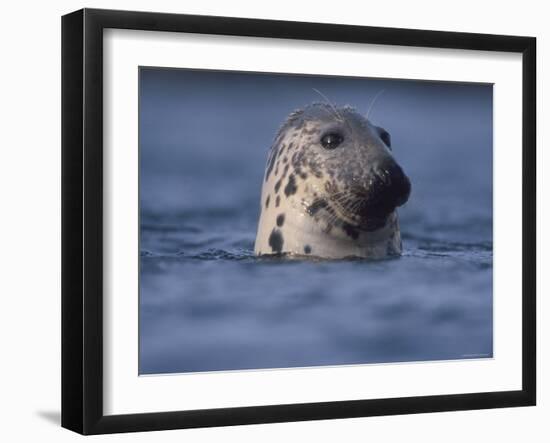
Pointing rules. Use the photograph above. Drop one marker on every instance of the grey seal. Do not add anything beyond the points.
(331, 187)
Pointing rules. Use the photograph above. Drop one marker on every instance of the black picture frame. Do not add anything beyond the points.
(82, 221)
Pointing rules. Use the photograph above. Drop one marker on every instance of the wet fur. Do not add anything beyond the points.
(312, 201)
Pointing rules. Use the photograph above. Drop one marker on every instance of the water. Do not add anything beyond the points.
(207, 304)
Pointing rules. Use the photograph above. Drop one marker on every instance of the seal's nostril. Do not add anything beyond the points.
(391, 187)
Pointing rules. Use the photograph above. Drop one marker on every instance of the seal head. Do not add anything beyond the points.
(331, 187)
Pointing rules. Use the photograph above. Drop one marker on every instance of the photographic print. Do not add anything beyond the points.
(297, 220)
(293, 221)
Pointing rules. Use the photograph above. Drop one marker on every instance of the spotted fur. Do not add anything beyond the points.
(317, 202)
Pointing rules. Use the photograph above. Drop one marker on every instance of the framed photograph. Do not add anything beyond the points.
(269, 221)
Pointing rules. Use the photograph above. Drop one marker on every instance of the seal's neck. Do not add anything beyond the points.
(291, 226)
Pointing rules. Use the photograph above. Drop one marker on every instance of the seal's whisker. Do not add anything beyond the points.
(329, 103)
(355, 205)
(338, 115)
(373, 101)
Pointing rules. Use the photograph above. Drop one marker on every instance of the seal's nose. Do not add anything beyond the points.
(390, 188)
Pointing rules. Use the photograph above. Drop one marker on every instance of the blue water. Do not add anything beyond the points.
(207, 304)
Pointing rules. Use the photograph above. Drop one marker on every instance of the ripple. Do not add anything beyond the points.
(220, 254)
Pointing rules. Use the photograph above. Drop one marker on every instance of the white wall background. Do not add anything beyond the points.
(30, 219)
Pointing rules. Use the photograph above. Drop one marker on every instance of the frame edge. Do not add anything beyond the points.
(72, 221)
(529, 221)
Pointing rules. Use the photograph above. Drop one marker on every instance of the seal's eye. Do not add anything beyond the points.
(385, 136)
(332, 140)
